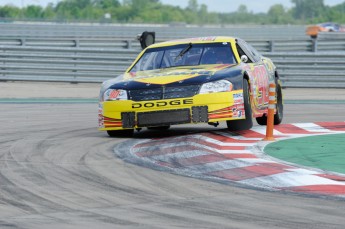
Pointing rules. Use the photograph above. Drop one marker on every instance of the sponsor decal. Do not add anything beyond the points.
(235, 111)
(155, 76)
(269, 65)
(162, 103)
(238, 111)
(194, 72)
(100, 116)
(261, 83)
(197, 39)
(238, 97)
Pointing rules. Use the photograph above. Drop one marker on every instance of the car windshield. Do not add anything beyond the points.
(185, 55)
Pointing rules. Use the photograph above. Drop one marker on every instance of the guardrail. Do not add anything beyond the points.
(301, 45)
(63, 64)
(79, 64)
(313, 70)
(163, 31)
(85, 42)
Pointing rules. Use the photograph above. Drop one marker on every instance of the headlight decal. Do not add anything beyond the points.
(115, 94)
(216, 86)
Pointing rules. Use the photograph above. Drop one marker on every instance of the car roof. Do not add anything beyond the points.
(327, 23)
(195, 40)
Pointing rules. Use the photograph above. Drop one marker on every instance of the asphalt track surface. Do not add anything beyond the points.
(58, 171)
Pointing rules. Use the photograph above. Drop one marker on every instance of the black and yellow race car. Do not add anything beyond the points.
(197, 80)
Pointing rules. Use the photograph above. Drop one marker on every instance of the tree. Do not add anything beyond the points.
(242, 9)
(33, 12)
(153, 11)
(172, 14)
(203, 14)
(336, 13)
(49, 12)
(193, 6)
(106, 4)
(241, 15)
(307, 10)
(9, 11)
(277, 15)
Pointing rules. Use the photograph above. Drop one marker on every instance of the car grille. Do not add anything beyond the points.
(164, 93)
(162, 118)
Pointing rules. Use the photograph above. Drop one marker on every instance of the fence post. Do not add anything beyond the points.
(271, 46)
(76, 43)
(128, 44)
(314, 44)
(270, 114)
(22, 41)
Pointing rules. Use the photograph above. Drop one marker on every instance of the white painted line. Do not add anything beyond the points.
(289, 179)
(312, 127)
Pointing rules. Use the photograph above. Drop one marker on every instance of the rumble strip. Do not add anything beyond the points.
(238, 158)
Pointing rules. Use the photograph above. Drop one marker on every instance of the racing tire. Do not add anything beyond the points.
(121, 133)
(278, 116)
(247, 123)
(159, 127)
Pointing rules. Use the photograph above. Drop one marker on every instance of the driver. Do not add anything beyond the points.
(223, 55)
(218, 55)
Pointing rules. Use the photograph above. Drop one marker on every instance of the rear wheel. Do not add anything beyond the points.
(121, 133)
(278, 116)
(247, 123)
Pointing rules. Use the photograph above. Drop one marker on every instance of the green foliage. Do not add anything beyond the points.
(308, 10)
(153, 11)
(9, 12)
(278, 15)
(33, 12)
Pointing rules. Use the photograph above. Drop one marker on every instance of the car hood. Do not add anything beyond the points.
(176, 74)
(175, 77)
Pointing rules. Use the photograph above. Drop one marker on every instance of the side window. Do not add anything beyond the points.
(253, 55)
(241, 53)
(254, 52)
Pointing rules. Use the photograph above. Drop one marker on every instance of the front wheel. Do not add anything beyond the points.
(247, 123)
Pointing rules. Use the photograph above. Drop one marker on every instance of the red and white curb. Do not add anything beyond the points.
(238, 157)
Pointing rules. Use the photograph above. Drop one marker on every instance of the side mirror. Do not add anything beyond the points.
(146, 39)
(244, 59)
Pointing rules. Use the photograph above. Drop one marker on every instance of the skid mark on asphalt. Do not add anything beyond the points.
(238, 158)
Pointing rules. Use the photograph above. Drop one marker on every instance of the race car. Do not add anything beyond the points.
(196, 80)
(314, 30)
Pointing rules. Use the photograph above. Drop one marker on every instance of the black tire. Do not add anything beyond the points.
(247, 123)
(121, 133)
(159, 127)
(278, 116)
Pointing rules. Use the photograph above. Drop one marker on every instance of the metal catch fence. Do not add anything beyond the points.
(301, 63)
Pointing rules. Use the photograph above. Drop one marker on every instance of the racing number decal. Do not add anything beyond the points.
(261, 80)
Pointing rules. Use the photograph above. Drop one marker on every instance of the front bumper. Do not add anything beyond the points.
(201, 108)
